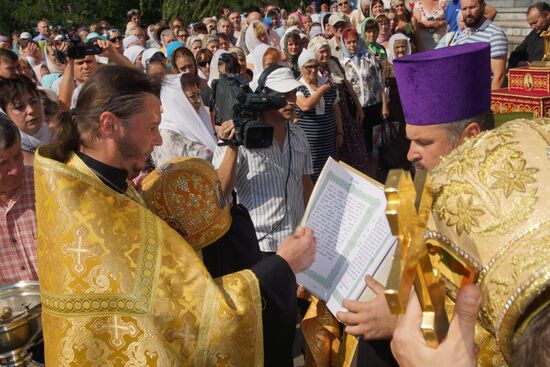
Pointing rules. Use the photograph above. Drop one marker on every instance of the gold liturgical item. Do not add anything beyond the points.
(407, 211)
(546, 58)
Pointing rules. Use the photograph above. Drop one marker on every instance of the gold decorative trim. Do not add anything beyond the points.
(209, 310)
(139, 301)
(526, 293)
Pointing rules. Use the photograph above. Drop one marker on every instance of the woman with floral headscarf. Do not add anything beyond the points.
(370, 30)
(353, 151)
(363, 71)
(292, 48)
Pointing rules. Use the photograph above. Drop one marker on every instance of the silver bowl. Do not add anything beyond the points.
(24, 328)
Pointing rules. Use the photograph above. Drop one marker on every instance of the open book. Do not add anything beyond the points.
(347, 213)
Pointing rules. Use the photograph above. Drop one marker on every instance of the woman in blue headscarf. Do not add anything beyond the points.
(364, 72)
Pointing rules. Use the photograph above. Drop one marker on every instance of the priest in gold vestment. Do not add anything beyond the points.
(119, 286)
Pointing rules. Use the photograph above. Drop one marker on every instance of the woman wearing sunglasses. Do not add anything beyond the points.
(204, 57)
(115, 37)
(318, 112)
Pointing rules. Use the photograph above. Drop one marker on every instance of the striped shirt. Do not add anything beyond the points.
(489, 33)
(18, 234)
(260, 186)
(319, 125)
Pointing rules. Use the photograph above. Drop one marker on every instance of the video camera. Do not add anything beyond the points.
(77, 49)
(232, 98)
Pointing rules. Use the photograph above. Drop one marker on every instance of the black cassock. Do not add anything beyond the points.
(237, 250)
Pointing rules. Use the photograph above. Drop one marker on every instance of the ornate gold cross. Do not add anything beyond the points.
(407, 211)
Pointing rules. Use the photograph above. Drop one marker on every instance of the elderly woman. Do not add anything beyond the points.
(353, 151)
(399, 46)
(318, 112)
(364, 73)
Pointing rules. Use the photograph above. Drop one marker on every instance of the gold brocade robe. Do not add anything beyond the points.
(121, 288)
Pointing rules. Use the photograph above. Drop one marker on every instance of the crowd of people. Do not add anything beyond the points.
(128, 160)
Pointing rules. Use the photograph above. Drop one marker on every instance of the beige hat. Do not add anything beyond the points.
(338, 17)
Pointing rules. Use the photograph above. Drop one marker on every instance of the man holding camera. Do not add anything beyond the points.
(78, 70)
(273, 183)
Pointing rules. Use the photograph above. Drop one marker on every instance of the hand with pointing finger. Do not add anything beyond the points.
(371, 319)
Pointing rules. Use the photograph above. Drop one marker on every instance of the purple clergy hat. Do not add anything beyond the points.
(445, 85)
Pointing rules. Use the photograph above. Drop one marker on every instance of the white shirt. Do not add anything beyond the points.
(261, 181)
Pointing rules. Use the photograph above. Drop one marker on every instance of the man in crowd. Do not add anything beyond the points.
(17, 212)
(453, 8)
(480, 29)
(78, 71)
(224, 26)
(9, 64)
(273, 183)
(436, 124)
(236, 21)
(532, 47)
(338, 23)
(44, 32)
(128, 281)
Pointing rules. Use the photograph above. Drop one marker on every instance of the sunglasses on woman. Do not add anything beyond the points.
(203, 63)
(311, 67)
(116, 39)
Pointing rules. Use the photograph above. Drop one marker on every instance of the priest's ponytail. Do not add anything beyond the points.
(117, 89)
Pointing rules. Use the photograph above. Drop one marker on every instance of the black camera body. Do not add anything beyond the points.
(232, 98)
(77, 49)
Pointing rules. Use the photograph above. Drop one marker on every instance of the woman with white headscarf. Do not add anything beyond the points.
(256, 34)
(185, 126)
(398, 46)
(318, 112)
(360, 14)
(353, 151)
(134, 54)
(262, 57)
(215, 66)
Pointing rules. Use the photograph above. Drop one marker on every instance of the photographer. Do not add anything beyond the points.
(273, 183)
(78, 70)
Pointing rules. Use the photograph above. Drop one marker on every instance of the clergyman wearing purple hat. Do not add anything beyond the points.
(446, 97)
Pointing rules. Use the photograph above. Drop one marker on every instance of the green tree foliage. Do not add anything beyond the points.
(24, 14)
